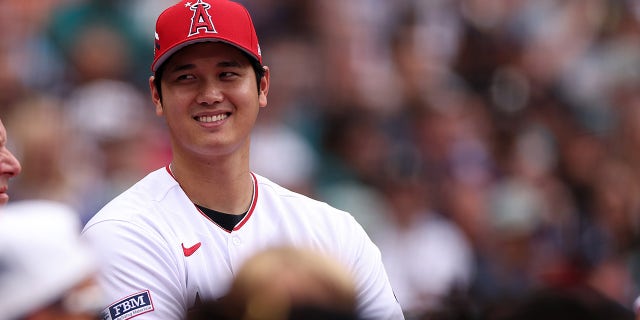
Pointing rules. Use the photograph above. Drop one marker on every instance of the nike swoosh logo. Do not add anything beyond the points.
(190, 250)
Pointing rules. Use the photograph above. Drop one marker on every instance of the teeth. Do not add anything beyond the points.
(212, 118)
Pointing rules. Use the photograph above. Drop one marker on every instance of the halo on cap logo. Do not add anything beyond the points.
(201, 19)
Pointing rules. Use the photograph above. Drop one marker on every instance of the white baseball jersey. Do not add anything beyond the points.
(159, 253)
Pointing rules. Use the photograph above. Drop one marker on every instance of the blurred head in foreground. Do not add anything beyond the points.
(9, 166)
(45, 271)
(286, 283)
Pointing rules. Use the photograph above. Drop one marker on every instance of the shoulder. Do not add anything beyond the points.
(305, 219)
(134, 220)
(134, 204)
(272, 195)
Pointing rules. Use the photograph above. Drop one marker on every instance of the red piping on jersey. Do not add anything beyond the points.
(254, 201)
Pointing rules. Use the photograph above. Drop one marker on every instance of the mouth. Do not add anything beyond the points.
(212, 118)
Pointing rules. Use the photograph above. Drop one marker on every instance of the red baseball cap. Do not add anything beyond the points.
(189, 22)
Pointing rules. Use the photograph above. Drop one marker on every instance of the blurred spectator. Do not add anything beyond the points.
(105, 140)
(283, 283)
(9, 165)
(427, 257)
(46, 272)
(356, 155)
(123, 138)
(280, 130)
(270, 142)
(28, 60)
(558, 304)
(48, 170)
(352, 39)
(97, 39)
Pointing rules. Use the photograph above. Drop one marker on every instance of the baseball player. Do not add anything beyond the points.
(9, 166)
(180, 234)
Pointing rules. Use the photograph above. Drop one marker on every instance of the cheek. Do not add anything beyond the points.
(173, 101)
(250, 95)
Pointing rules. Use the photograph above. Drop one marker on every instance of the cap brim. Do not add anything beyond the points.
(165, 56)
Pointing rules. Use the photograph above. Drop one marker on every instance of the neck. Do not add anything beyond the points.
(215, 185)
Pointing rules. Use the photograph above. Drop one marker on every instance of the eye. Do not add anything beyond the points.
(228, 75)
(184, 77)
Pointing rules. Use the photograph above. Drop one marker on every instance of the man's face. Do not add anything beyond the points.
(9, 166)
(209, 99)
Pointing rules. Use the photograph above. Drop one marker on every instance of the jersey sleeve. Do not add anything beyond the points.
(375, 294)
(138, 274)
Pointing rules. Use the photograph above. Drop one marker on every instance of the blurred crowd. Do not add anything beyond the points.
(490, 148)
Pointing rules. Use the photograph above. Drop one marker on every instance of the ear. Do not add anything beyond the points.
(264, 88)
(155, 97)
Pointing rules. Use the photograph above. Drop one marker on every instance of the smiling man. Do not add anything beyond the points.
(179, 235)
(9, 166)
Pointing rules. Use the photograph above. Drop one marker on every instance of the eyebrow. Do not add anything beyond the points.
(231, 63)
(183, 67)
(222, 64)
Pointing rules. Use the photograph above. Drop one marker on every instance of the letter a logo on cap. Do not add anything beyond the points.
(201, 18)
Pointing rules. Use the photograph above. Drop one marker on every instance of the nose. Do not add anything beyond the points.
(9, 165)
(209, 93)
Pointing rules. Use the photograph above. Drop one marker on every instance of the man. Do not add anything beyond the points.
(46, 271)
(178, 236)
(9, 166)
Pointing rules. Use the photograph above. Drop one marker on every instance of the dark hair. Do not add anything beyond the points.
(258, 69)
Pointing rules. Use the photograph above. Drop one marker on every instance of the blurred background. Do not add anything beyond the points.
(490, 148)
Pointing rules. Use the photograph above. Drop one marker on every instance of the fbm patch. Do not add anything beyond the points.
(129, 307)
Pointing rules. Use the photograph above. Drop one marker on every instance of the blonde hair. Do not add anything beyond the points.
(277, 280)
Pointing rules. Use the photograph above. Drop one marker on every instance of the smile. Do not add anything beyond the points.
(209, 119)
